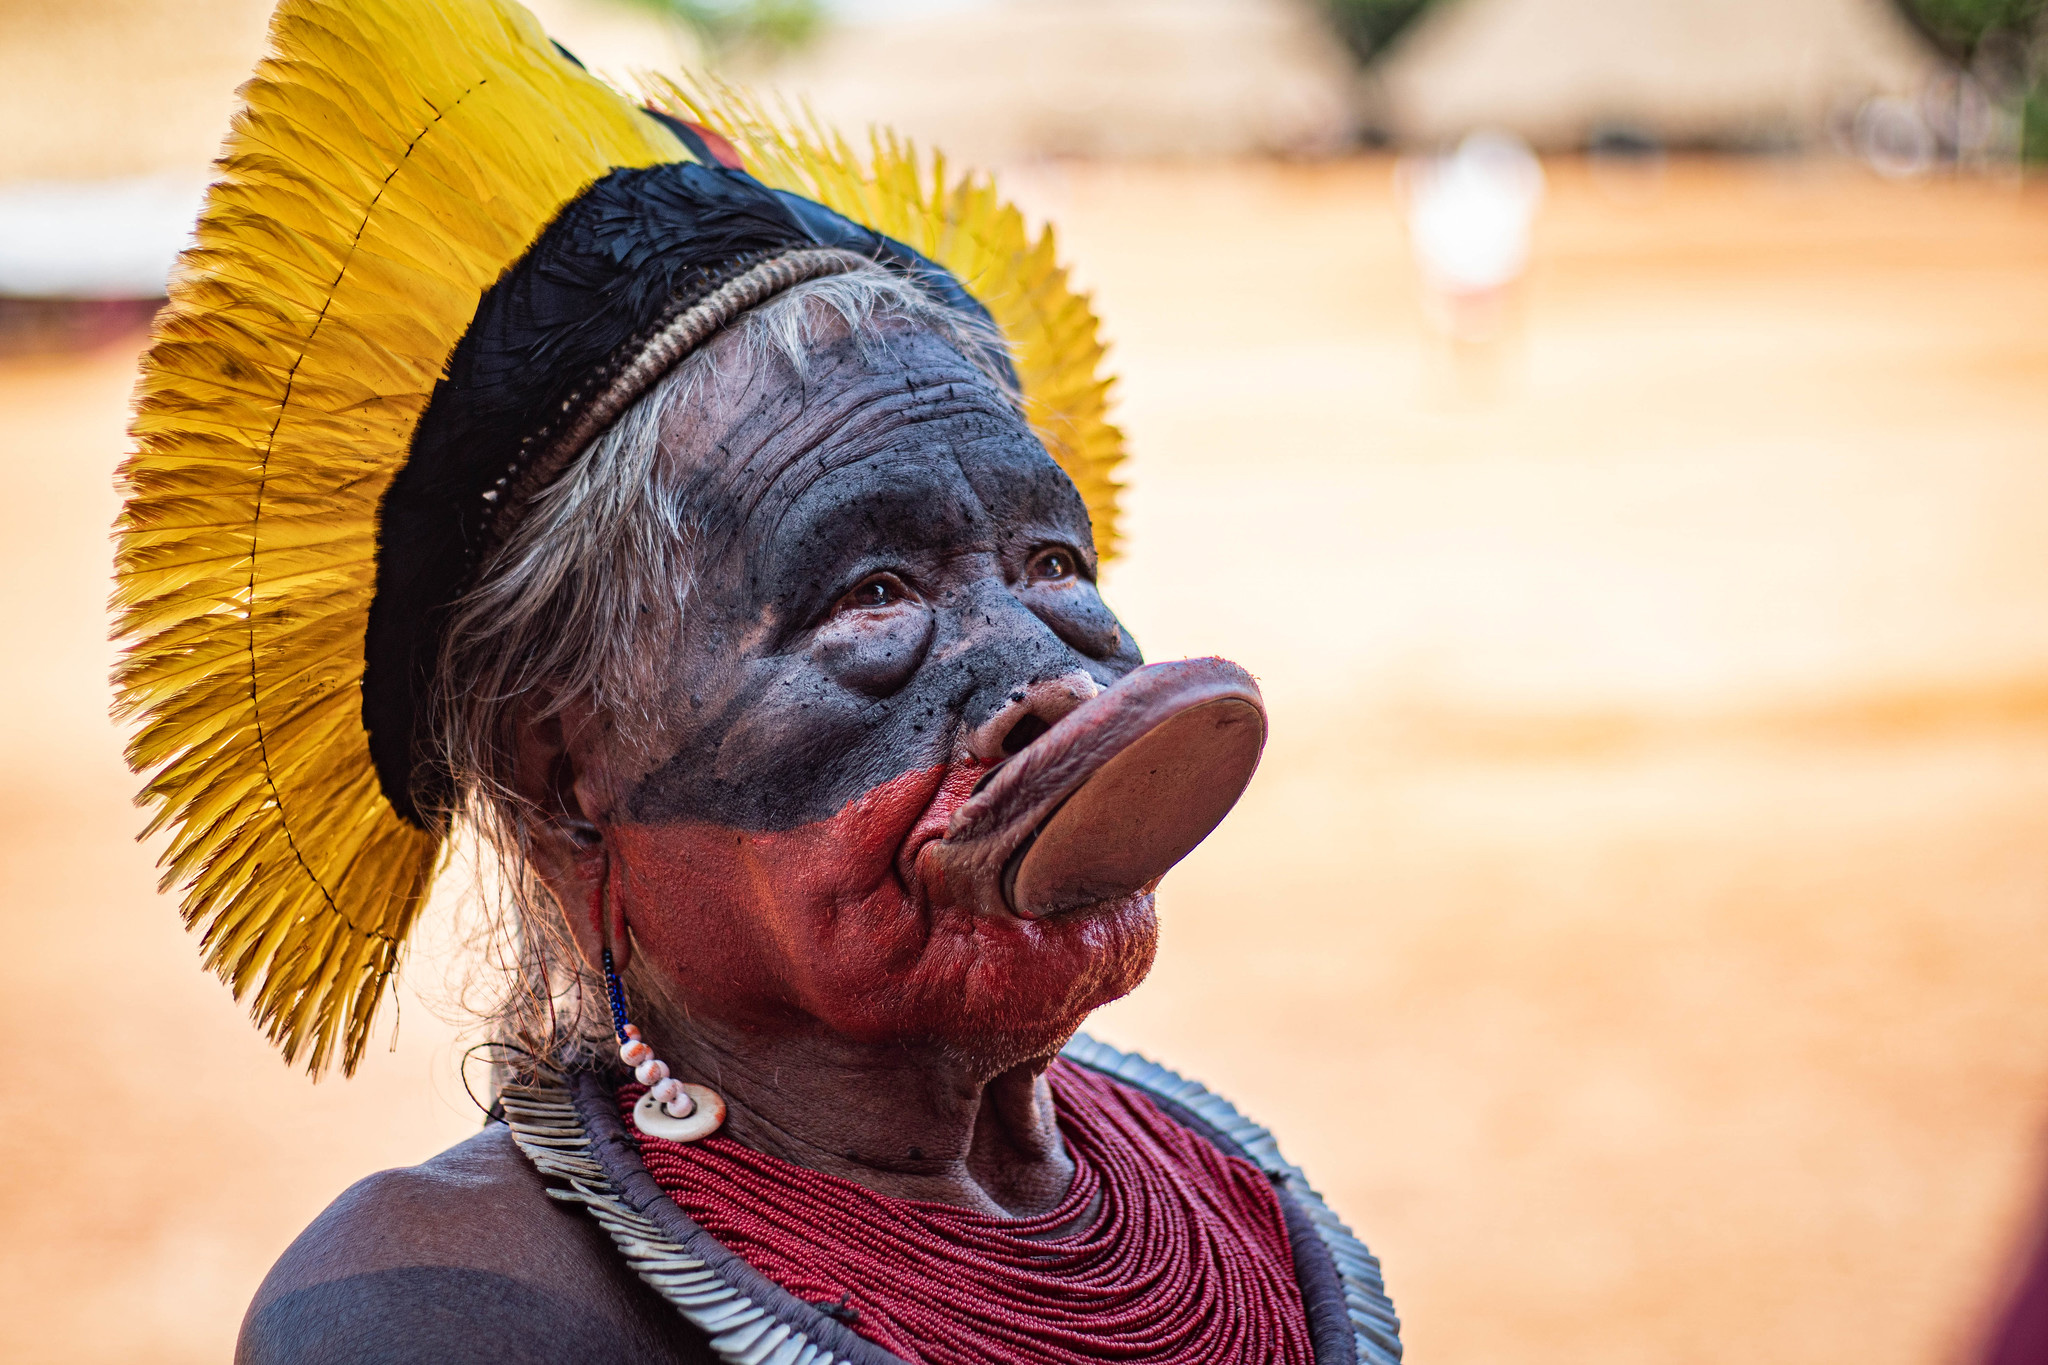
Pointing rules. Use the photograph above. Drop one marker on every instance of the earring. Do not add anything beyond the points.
(672, 1109)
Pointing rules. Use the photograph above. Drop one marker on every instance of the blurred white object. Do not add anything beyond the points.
(94, 239)
(1894, 139)
(1469, 213)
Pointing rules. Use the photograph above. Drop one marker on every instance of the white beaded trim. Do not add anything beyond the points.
(547, 1128)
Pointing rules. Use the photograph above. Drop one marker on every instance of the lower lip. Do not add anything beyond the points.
(916, 867)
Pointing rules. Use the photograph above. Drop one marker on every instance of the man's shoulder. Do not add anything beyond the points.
(480, 1202)
(464, 1257)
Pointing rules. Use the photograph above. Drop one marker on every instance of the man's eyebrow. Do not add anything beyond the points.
(853, 523)
(869, 433)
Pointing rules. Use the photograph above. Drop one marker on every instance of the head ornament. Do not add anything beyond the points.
(438, 259)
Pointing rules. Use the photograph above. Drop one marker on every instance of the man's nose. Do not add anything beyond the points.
(1027, 713)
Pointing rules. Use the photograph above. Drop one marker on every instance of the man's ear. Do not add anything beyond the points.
(562, 767)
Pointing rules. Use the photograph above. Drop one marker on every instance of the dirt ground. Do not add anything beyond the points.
(1639, 926)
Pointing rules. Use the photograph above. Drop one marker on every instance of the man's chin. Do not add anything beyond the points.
(994, 1054)
(1014, 993)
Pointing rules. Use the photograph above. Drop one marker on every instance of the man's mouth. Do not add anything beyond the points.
(1113, 794)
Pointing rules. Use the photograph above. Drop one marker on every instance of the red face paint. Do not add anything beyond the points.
(834, 924)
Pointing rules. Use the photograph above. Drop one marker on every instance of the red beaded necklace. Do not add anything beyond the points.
(1187, 1261)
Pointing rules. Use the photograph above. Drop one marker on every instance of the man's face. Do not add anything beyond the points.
(889, 562)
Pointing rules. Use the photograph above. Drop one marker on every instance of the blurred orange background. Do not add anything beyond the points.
(1639, 925)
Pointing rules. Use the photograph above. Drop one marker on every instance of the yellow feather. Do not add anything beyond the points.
(390, 160)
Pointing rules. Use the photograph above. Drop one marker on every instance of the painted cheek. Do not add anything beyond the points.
(827, 922)
(738, 916)
(874, 653)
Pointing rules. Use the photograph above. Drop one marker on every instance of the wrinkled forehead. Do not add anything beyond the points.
(892, 442)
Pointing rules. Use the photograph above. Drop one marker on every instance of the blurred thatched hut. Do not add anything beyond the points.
(1725, 73)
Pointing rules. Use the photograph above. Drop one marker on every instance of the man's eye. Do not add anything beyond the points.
(882, 590)
(1051, 566)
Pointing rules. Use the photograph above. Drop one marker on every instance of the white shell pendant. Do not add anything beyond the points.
(676, 1110)
(702, 1111)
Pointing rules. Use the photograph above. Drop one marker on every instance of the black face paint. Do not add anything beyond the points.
(889, 556)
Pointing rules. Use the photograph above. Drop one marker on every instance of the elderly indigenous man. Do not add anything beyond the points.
(706, 521)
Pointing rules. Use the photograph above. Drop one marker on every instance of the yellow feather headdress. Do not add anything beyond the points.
(391, 161)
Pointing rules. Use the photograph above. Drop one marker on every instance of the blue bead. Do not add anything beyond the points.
(616, 995)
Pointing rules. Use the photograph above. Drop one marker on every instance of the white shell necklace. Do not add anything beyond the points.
(680, 1111)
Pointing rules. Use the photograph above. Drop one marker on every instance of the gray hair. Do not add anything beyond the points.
(581, 608)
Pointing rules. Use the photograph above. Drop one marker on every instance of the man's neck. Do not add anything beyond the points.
(908, 1122)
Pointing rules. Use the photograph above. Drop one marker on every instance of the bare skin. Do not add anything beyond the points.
(462, 1260)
